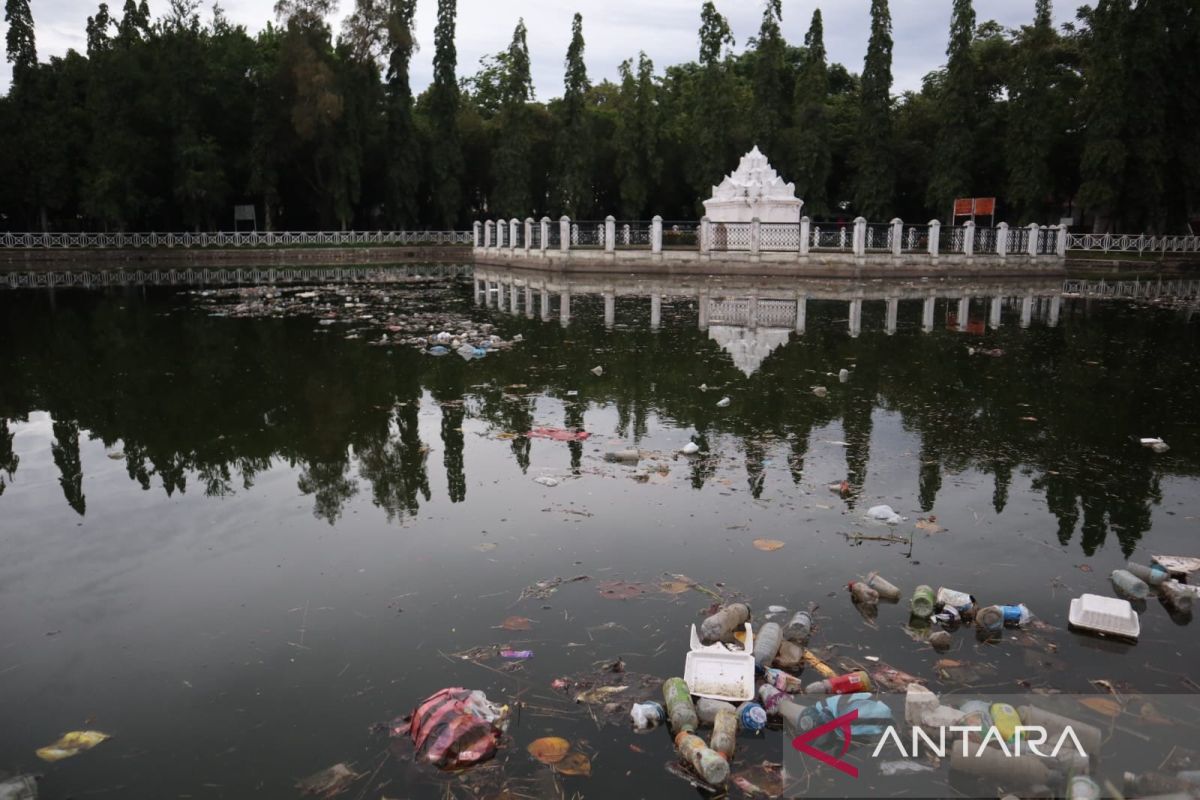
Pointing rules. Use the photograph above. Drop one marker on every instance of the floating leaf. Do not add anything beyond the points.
(485, 547)
(574, 764)
(329, 782)
(1102, 705)
(601, 694)
(929, 525)
(70, 744)
(618, 590)
(768, 545)
(516, 624)
(674, 587)
(549, 749)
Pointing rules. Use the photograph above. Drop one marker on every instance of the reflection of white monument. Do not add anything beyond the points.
(748, 347)
(753, 190)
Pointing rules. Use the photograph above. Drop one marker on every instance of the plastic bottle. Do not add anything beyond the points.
(799, 628)
(1128, 585)
(721, 625)
(861, 593)
(751, 717)
(1177, 595)
(1011, 771)
(724, 735)
(1081, 787)
(1153, 783)
(850, 683)
(1089, 736)
(887, 590)
(679, 705)
(766, 643)
(779, 704)
(22, 787)
(1153, 574)
(707, 762)
(783, 681)
(1017, 616)
(990, 619)
(962, 601)
(922, 601)
(941, 640)
(630, 456)
(1006, 719)
(707, 709)
(977, 714)
(647, 715)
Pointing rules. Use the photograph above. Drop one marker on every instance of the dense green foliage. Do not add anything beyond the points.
(166, 124)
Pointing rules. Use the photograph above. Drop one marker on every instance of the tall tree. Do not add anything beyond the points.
(1032, 117)
(713, 107)
(445, 152)
(810, 133)
(638, 164)
(97, 31)
(771, 98)
(574, 147)
(513, 170)
(1102, 165)
(403, 171)
(20, 44)
(954, 149)
(875, 181)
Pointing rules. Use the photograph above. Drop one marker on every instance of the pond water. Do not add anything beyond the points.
(235, 543)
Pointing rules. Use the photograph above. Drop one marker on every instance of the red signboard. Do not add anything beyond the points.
(975, 206)
(963, 206)
(985, 205)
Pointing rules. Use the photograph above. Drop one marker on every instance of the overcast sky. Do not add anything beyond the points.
(613, 29)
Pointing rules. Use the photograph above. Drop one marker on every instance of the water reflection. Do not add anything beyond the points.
(216, 402)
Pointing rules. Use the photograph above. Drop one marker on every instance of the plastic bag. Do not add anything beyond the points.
(457, 728)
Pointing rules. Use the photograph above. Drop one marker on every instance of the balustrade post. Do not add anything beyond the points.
(656, 235)
(805, 232)
(489, 234)
(860, 236)
(501, 233)
(755, 236)
(528, 234)
(935, 237)
(564, 233)
(1062, 241)
(969, 238)
(475, 234)
(1032, 249)
(705, 235)
(512, 229)
(897, 236)
(545, 238)
(610, 234)
(1002, 240)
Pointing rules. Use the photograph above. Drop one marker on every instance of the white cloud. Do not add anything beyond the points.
(614, 30)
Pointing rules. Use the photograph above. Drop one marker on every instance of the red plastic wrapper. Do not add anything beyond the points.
(456, 728)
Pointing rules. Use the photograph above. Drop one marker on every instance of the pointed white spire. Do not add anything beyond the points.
(754, 189)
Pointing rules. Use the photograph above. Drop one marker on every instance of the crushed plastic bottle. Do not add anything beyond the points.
(647, 715)
(782, 681)
(991, 764)
(851, 682)
(1178, 595)
(799, 628)
(721, 625)
(923, 600)
(886, 590)
(751, 717)
(680, 711)
(628, 456)
(863, 594)
(708, 708)
(963, 602)
(724, 735)
(1128, 585)
(1153, 574)
(766, 644)
(1016, 616)
(706, 762)
(780, 704)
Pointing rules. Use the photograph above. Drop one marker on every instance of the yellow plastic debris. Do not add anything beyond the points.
(70, 744)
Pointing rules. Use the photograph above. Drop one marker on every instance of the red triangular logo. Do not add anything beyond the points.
(842, 723)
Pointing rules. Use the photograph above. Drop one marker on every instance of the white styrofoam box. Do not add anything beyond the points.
(1109, 615)
(720, 673)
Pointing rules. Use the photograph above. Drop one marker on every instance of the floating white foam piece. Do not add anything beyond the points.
(718, 672)
(1108, 615)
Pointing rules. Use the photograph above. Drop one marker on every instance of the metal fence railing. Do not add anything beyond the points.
(632, 235)
(56, 241)
(1128, 243)
(587, 234)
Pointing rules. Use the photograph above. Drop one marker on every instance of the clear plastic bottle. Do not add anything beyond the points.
(707, 709)
(724, 735)
(1128, 585)
(863, 594)
(799, 628)
(780, 704)
(707, 762)
(751, 717)
(766, 644)
(1153, 574)
(721, 625)
(783, 681)
(886, 589)
(1178, 595)
(678, 699)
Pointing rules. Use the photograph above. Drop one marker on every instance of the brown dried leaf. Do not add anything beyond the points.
(549, 749)
(618, 590)
(575, 763)
(768, 545)
(516, 624)
(674, 587)
(1102, 705)
(929, 525)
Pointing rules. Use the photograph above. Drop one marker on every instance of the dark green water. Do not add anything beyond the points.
(234, 544)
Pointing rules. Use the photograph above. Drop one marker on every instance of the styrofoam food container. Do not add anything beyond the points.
(719, 673)
(1108, 615)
